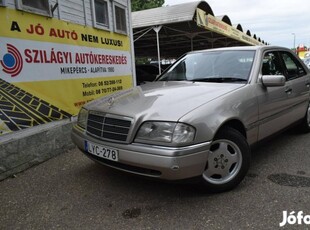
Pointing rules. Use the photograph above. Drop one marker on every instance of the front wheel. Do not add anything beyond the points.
(228, 161)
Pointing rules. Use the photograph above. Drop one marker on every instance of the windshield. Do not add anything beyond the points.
(213, 66)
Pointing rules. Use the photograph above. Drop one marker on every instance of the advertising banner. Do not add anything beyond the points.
(211, 23)
(49, 68)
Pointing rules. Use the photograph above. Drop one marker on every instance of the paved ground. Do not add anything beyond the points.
(72, 192)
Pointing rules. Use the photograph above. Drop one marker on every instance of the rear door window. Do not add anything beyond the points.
(293, 67)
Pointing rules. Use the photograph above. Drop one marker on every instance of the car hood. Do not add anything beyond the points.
(167, 101)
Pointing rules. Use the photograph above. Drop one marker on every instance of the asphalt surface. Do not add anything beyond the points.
(72, 192)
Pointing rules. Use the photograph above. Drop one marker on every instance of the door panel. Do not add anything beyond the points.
(297, 76)
(273, 109)
(273, 102)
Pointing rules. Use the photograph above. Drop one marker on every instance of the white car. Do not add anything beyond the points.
(307, 62)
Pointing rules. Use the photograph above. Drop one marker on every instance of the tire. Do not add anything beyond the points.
(228, 161)
(305, 124)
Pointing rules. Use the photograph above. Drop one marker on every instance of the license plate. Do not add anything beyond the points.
(101, 151)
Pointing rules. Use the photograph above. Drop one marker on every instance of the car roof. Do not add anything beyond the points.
(242, 48)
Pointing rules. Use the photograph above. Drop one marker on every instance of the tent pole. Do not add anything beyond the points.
(157, 29)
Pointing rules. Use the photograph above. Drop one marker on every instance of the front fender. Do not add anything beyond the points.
(241, 106)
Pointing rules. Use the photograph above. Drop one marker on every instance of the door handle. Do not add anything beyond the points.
(308, 84)
(288, 90)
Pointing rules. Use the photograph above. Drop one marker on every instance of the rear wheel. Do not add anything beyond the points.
(228, 161)
(305, 125)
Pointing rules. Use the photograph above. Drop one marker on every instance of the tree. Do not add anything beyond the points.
(137, 5)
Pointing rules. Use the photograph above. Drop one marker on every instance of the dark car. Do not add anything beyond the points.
(146, 73)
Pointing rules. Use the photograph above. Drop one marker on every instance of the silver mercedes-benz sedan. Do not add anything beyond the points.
(200, 117)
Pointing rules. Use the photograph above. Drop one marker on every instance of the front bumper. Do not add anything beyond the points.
(153, 161)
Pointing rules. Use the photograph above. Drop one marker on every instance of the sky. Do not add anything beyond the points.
(277, 22)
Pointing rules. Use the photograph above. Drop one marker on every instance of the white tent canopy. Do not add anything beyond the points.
(178, 31)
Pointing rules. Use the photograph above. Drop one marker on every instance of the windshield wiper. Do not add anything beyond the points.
(220, 79)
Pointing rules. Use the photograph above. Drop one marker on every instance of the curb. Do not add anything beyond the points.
(23, 149)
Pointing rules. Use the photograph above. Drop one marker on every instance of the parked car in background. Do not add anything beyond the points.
(146, 73)
(200, 117)
(307, 62)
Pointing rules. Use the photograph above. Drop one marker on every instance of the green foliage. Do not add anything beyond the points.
(137, 5)
(142, 60)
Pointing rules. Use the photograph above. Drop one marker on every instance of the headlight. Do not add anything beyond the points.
(168, 132)
(82, 118)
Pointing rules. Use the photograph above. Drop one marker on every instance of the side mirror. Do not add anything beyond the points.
(273, 80)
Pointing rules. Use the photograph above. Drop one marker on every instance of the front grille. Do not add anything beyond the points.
(106, 126)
